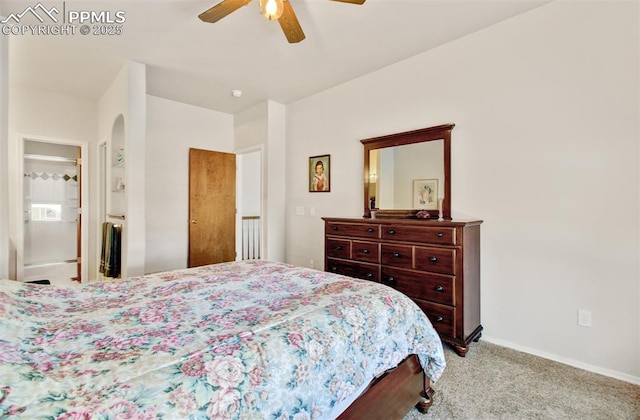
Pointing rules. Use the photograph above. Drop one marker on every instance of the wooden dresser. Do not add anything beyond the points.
(437, 264)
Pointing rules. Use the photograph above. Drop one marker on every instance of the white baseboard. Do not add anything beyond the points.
(577, 364)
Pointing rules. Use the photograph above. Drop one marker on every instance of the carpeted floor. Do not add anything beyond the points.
(494, 382)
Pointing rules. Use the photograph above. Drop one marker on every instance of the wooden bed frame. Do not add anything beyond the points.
(394, 393)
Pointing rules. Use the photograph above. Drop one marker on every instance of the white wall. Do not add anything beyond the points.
(135, 141)
(545, 151)
(250, 127)
(275, 217)
(173, 128)
(251, 183)
(48, 114)
(126, 96)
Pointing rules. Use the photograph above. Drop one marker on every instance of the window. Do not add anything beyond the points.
(46, 212)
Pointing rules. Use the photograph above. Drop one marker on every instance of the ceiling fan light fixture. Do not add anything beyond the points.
(272, 9)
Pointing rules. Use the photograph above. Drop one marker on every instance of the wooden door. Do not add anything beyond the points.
(212, 207)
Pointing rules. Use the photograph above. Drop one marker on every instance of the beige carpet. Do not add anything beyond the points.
(494, 382)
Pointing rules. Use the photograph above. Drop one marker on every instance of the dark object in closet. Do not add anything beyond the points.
(110, 257)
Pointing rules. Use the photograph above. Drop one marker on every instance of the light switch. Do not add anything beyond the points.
(300, 210)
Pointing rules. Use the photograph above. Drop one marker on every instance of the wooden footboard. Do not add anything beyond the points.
(394, 393)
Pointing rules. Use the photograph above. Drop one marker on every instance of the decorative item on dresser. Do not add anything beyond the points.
(435, 263)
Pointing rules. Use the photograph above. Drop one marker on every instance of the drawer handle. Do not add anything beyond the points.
(433, 259)
(439, 318)
(334, 269)
(339, 248)
(391, 279)
(366, 251)
(391, 232)
(334, 227)
(397, 254)
(439, 289)
(439, 234)
(369, 275)
(370, 230)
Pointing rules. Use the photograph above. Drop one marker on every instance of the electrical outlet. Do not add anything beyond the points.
(584, 318)
(312, 264)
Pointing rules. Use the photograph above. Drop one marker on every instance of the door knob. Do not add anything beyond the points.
(193, 222)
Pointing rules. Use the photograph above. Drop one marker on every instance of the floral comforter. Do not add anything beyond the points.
(250, 340)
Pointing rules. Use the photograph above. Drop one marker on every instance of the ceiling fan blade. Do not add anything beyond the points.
(290, 25)
(221, 10)
(351, 1)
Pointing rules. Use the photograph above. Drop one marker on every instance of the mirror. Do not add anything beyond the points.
(409, 172)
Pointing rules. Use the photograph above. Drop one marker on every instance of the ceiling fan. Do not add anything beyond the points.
(271, 9)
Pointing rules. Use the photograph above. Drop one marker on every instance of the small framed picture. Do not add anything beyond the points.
(319, 173)
(425, 194)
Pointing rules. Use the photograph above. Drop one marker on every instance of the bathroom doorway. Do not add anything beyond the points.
(52, 195)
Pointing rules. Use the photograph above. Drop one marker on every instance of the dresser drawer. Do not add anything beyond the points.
(365, 251)
(338, 248)
(397, 255)
(442, 317)
(437, 260)
(354, 269)
(426, 286)
(353, 229)
(422, 234)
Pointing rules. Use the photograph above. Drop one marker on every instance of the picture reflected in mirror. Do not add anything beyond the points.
(394, 171)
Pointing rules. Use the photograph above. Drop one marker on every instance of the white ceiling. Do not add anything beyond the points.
(200, 63)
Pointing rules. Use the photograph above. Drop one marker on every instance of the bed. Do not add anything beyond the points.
(250, 340)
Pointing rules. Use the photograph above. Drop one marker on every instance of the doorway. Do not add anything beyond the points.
(50, 228)
(214, 196)
(249, 222)
(212, 207)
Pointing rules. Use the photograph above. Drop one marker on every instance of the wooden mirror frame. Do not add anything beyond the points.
(440, 132)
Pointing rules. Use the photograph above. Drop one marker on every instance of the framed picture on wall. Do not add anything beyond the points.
(319, 173)
(425, 194)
